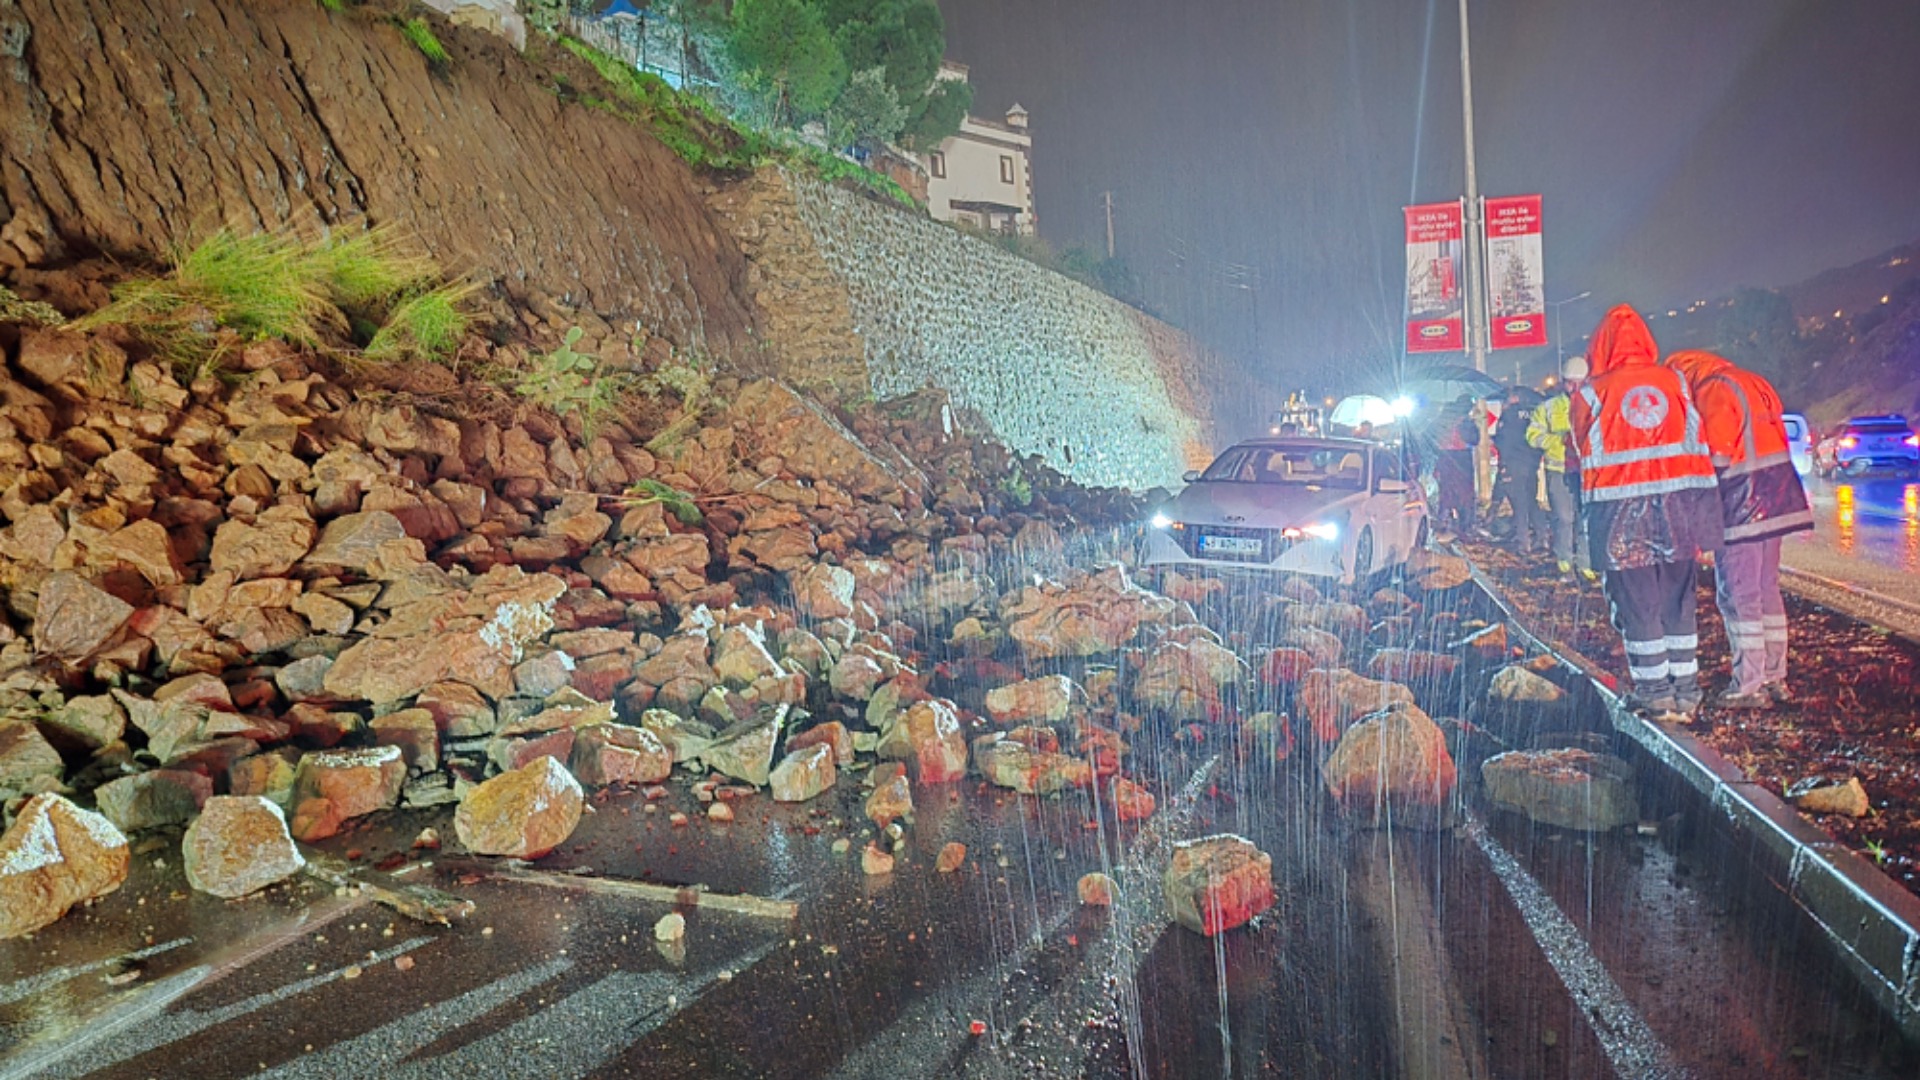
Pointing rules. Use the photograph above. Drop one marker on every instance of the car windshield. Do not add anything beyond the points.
(1305, 465)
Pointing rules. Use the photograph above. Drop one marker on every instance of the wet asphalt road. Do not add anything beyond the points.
(1866, 534)
(1492, 949)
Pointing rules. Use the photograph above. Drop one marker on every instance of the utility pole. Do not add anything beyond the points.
(1108, 199)
(1476, 286)
(1559, 340)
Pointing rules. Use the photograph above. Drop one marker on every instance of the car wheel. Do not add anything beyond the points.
(1363, 556)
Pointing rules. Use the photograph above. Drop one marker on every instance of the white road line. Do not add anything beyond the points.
(119, 1038)
(1630, 1045)
(26, 988)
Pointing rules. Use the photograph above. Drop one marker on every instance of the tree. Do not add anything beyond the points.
(867, 112)
(784, 46)
(938, 114)
(905, 39)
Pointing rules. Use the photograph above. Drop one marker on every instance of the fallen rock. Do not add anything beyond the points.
(1826, 795)
(1129, 800)
(1096, 614)
(1046, 700)
(1187, 681)
(148, 800)
(73, 619)
(1569, 788)
(54, 856)
(1429, 670)
(354, 541)
(1395, 759)
(833, 733)
(1487, 644)
(953, 855)
(414, 732)
(671, 927)
(25, 757)
(1516, 684)
(238, 845)
(744, 751)
(269, 547)
(91, 722)
(1216, 883)
(618, 754)
(334, 786)
(935, 749)
(1096, 890)
(741, 656)
(823, 591)
(1437, 571)
(1021, 767)
(1333, 699)
(875, 862)
(1286, 666)
(524, 813)
(804, 774)
(892, 800)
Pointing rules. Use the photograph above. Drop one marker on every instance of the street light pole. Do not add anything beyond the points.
(1476, 288)
(1559, 341)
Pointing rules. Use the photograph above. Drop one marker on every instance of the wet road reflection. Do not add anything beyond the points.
(1875, 520)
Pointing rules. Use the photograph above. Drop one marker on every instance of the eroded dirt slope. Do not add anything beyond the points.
(130, 125)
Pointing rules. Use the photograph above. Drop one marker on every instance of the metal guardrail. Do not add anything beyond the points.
(1871, 921)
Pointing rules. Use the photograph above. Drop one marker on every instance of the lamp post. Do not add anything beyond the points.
(1476, 288)
(1559, 342)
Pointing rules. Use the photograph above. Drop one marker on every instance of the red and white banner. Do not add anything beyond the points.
(1436, 273)
(1516, 274)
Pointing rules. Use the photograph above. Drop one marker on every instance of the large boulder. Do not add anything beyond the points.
(524, 813)
(1514, 684)
(1216, 883)
(804, 773)
(1046, 700)
(744, 751)
(1097, 613)
(1025, 768)
(149, 800)
(268, 547)
(54, 856)
(780, 423)
(1570, 788)
(472, 636)
(238, 845)
(1186, 681)
(618, 754)
(1333, 699)
(928, 737)
(1393, 762)
(333, 786)
(74, 619)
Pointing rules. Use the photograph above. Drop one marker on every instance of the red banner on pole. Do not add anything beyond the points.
(1516, 273)
(1436, 301)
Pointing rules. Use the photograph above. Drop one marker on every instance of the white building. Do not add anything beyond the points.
(983, 176)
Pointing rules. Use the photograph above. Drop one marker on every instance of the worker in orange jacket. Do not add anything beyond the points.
(1652, 507)
(1761, 500)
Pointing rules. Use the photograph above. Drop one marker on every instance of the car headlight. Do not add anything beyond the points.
(1325, 530)
(1160, 521)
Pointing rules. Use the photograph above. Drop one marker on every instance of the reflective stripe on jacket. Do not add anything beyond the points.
(1760, 491)
(1638, 433)
(1550, 429)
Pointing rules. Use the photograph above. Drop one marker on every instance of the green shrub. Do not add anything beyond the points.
(688, 124)
(569, 383)
(418, 32)
(368, 269)
(13, 308)
(426, 325)
(677, 502)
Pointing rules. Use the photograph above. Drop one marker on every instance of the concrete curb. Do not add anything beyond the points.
(1899, 616)
(1871, 921)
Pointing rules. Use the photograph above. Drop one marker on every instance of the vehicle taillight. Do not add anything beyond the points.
(1849, 443)
(1912, 440)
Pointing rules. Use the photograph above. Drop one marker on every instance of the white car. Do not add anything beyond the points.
(1335, 508)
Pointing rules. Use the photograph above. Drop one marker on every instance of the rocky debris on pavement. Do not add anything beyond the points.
(892, 797)
(953, 855)
(1188, 681)
(803, 774)
(1332, 699)
(334, 786)
(524, 813)
(1046, 700)
(1392, 764)
(1569, 788)
(1216, 883)
(1096, 889)
(1831, 795)
(53, 856)
(239, 845)
(1515, 683)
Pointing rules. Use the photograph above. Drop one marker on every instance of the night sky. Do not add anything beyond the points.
(1684, 147)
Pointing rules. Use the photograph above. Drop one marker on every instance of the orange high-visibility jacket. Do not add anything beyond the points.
(1740, 412)
(1635, 426)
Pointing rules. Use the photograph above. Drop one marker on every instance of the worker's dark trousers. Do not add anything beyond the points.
(1653, 608)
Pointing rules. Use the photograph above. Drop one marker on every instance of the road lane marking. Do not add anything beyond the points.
(26, 988)
(1630, 1044)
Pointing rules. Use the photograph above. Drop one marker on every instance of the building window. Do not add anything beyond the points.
(1006, 169)
(937, 165)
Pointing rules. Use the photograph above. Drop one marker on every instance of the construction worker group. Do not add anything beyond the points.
(1674, 460)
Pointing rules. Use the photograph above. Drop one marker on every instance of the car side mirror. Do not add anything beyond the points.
(1391, 487)
(1190, 476)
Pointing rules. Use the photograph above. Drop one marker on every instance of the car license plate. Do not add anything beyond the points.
(1239, 547)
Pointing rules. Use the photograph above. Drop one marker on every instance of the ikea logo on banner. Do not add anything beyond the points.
(1436, 330)
(1518, 326)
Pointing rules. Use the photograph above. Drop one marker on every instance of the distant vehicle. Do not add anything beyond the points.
(1799, 442)
(1865, 444)
(1334, 508)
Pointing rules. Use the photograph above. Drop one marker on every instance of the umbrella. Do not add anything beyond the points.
(1446, 383)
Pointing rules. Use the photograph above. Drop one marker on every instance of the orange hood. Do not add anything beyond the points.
(1621, 340)
(1696, 364)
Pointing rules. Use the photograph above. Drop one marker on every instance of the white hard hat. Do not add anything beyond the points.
(1575, 368)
